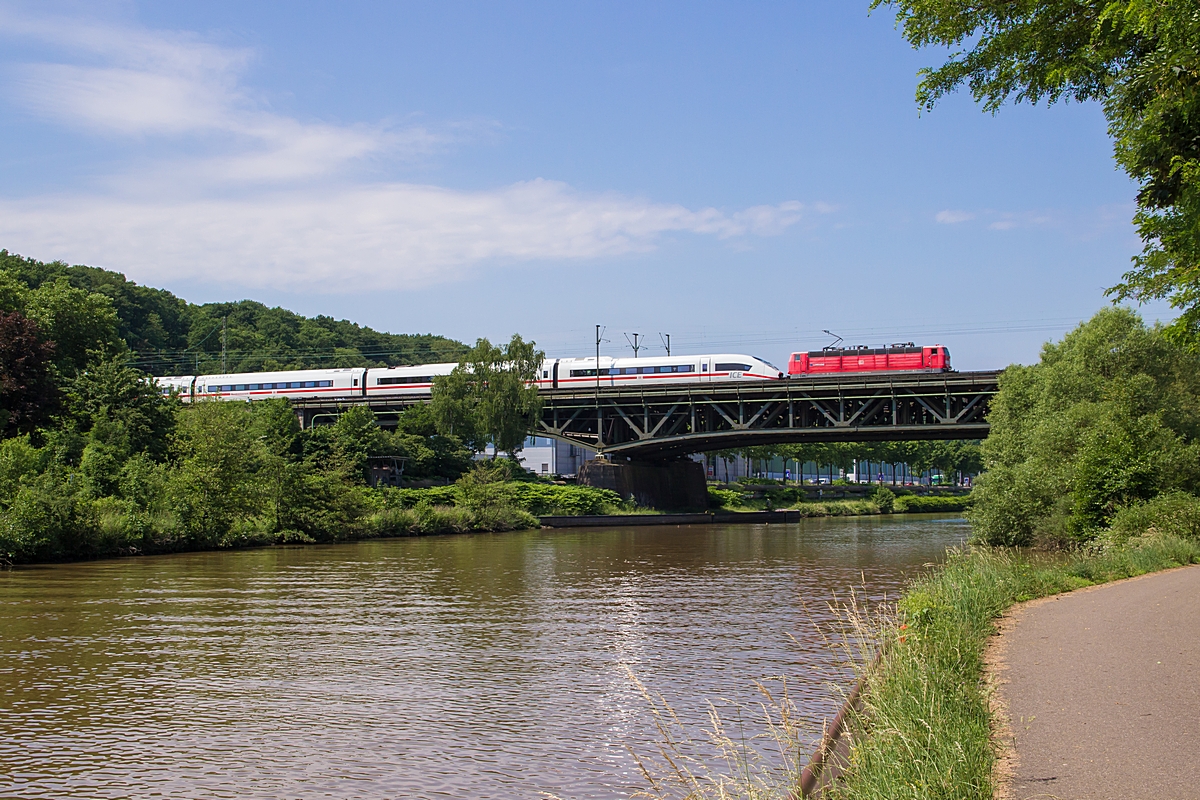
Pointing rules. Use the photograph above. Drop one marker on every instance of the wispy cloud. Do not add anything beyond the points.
(385, 236)
(1001, 220)
(951, 217)
(254, 197)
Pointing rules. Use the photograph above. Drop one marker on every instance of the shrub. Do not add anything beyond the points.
(885, 498)
(1176, 514)
(49, 520)
(1108, 419)
(722, 498)
(19, 459)
(915, 503)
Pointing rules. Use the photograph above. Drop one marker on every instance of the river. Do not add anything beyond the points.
(483, 666)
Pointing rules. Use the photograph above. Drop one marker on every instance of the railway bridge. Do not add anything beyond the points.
(657, 422)
(643, 431)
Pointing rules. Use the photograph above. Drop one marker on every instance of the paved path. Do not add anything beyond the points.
(1103, 691)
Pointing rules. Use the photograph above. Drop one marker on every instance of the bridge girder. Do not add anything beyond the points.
(658, 422)
(666, 421)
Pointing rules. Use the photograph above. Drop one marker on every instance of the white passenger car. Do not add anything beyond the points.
(403, 381)
(300, 383)
(565, 373)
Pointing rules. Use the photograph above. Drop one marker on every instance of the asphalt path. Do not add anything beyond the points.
(1101, 689)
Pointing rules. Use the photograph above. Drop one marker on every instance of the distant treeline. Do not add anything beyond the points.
(167, 335)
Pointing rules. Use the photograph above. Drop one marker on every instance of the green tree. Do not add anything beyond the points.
(83, 325)
(126, 403)
(1106, 420)
(1138, 58)
(218, 488)
(490, 397)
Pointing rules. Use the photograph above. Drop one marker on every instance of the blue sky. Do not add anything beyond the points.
(742, 176)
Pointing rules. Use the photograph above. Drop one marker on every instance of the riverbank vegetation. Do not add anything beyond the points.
(879, 500)
(1103, 429)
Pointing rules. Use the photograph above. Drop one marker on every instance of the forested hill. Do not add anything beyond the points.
(170, 336)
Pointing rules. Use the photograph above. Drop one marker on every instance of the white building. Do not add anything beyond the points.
(545, 456)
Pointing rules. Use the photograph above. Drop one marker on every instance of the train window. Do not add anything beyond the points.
(254, 386)
(310, 384)
(704, 367)
(241, 387)
(227, 388)
(545, 373)
(408, 379)
(733, 367)
(330, 383)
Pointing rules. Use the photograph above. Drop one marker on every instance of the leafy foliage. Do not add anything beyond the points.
(28, 396)
(1139, 59)
(488, 398)
(169, 336)
(1108, 419)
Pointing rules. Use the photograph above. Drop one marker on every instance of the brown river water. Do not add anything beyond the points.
(485, 666)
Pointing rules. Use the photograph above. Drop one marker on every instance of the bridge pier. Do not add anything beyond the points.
(667, 485)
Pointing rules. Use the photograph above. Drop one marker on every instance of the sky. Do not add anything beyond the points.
(743, 177)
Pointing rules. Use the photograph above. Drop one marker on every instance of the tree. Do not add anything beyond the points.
(1138, 59)
(82, 324)
(1108, 419)
(117, 397)
(28, 397)
(490, 397)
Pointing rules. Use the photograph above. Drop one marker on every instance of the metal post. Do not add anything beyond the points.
(224, 342)
(599, 420)
(666, 340)
(634, 344)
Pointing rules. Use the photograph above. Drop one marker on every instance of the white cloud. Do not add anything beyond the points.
(951, 217)
(378, 236)
(257, 198)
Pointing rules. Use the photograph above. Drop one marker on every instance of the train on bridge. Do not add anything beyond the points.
(357, 383)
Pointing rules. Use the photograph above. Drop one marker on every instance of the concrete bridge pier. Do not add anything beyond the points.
(668, 485)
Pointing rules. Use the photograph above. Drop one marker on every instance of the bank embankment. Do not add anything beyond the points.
(926, 728)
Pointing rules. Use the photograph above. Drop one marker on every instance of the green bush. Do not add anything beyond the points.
(915, 503)
(724, 498)
(19, 460)
(885, 499)
(1109, 418)
(49, 519)
(541, 499)
(1174, 514)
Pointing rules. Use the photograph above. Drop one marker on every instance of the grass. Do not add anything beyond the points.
(925, 727)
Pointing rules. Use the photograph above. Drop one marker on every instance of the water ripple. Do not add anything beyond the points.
(469, 666)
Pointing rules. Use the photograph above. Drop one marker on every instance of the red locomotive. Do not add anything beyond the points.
(905, 357)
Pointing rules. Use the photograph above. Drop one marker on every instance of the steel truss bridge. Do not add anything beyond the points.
(659, 422)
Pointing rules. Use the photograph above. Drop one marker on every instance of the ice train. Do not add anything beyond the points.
(560, 373)
(555, 373)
